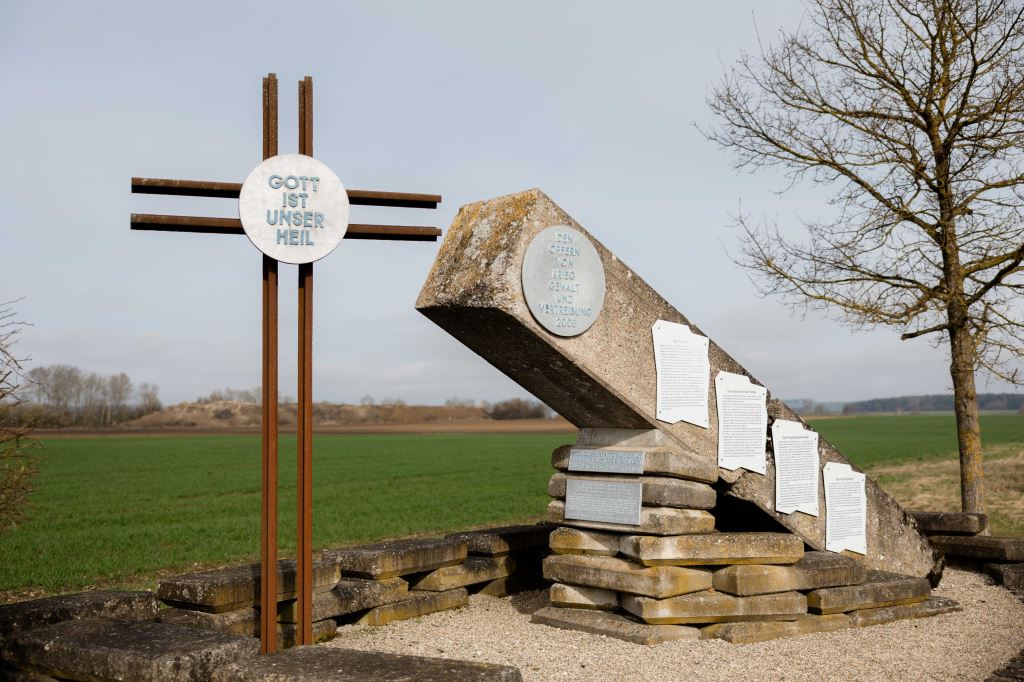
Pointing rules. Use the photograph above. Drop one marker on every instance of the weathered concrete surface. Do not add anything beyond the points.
(878, 589)
(933, 606)
(473, 570)
(980, 547)
(716, 607)
(321, 664)
(579, 541)
(655, 520)
(28, 615)
(580, 597)
(612, 625)
(1007, 575)
(98, 649)
(949, 523)
(416, 604)
(505, 539)
(617, 574)
(662, 455)
(397, 557)
(657, 491)
(230, 589)
(245, 622)
(814, 570)
(605, 377)
(348, 596)
(713, 549)
(747, 633)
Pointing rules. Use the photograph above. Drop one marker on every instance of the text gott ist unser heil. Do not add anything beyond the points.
(293, 211)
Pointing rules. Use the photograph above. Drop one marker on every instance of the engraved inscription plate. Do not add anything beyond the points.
(563, 280)
(293, 208)
(605, 501)
(607, 461)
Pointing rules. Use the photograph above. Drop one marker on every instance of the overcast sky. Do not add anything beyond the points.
(595, 103)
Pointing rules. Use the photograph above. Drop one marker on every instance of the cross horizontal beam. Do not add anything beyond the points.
(184, 223)
(230, 190)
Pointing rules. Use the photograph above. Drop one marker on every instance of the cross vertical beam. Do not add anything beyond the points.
(304, 539)
(268, 516)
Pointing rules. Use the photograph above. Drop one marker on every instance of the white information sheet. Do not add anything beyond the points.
(846, 509)
(742, 422)
(684, 374)
(796, 467)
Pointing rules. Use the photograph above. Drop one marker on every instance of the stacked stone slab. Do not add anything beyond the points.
(673, 577)
(372, 584)
(502, 561)
(958, 536)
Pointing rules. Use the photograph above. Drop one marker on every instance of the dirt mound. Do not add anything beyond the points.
(234, 414)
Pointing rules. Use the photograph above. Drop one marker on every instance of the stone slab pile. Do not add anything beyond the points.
(372, 584)
(957, 535)
(673, 576)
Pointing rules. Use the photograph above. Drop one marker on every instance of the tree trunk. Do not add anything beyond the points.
(968, 428)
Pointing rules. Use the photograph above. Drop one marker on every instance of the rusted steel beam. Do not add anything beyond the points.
(230, 190)
(268, 421)
(204, 225)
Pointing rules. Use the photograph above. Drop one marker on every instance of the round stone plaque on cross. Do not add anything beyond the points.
(293, 208)
(563, 280)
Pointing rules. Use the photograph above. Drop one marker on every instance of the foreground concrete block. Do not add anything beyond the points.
(605, 378)
(95, 649)
(662, 456)
(933, 606)
(505, 539)
(612, 625)
(28, 615)
(950, 523)
(415, 605)
(980, 547)
(879, 589)
(579, 597)
(348, 596)
(577, 541)
(398, 557)
(714, 549)
(1007, 575)
(321, 664)
(472, 571)
(658, 491)
(230, 589)
(244, 622)
(746, 633)
(620, 575)
(715, 607)
(814, 570)
(655, 520)
(9, 673)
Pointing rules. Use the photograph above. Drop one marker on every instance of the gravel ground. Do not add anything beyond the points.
(959, 646)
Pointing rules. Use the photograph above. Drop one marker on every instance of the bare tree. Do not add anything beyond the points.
(912, 113)
(17, 463)
(149, 398)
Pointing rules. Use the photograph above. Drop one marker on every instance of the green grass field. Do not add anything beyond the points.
(120, 510)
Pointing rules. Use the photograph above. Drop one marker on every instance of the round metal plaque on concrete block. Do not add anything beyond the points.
(563, 280)
(293, 208)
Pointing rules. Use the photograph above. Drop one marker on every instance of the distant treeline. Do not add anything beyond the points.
(62, 395)
(934, 403)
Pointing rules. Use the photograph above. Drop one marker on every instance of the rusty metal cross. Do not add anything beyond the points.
(176, 223)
